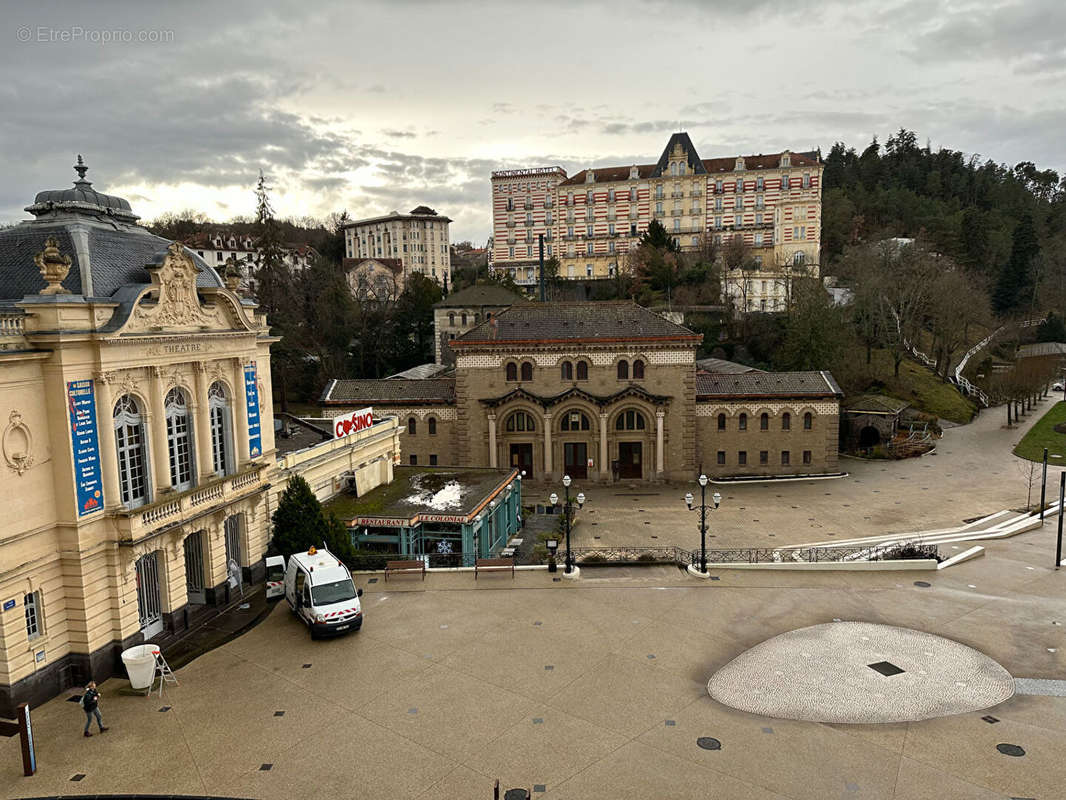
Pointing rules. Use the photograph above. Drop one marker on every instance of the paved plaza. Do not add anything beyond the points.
(972, 473)
(594, 689)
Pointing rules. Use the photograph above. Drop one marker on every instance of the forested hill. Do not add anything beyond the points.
(966, 208)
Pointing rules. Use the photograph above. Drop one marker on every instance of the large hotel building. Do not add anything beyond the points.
(592, 220)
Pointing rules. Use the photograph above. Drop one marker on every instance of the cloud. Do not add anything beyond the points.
(393, 133)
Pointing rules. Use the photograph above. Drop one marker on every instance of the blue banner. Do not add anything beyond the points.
(81, 404)
(251, 393)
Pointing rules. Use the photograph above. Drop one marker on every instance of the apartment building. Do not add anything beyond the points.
(218, 248)
(591, 221)
(420, 240)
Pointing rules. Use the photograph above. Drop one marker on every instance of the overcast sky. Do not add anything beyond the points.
(376, 106)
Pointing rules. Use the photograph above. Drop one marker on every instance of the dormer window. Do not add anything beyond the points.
(786, 159)
(740, 164)
(590, 176)
(681, 168)
(673, 167)
(633, 173)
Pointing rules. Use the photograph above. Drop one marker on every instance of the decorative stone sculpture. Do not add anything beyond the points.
(54, 267)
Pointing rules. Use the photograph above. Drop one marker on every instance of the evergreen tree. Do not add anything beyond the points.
(1015, 284)
(274, 284)
(298, 520)
(657, 237)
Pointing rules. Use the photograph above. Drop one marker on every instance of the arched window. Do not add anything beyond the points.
(179, 440)
(527, 370)
(512, 371)
(638, 370)
(412, 426)
(623, 370)
(132, 459)
(574, 421)
(218, 406)
(764, 422)
(566, 371)
(582, 370)
(721, 422)
(520, 422)
(462, 318)
(432, 424)
(808, 421)
(742, 422)
(451, 319)
(630, 421)
(786, 421)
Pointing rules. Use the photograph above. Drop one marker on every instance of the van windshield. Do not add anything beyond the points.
(338, 592)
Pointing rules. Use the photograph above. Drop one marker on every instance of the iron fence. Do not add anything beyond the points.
(753, 555)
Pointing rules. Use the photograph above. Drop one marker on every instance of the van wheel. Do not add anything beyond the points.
(313, 636)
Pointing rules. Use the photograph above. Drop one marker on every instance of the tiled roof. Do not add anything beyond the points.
(389, 392)
(608, 174)
(875, 404)
(570, 322)
(430, 370)
(481, 295)
(754, 162)
(760, 161)
(768, 384)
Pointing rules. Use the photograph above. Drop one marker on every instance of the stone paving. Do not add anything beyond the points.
(585, 690)
(972, 473)
(858, 672)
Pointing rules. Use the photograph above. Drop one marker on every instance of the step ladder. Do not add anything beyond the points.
(163, 673)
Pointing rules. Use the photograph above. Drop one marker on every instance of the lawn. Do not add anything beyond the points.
(1042, 435)
(916, 384)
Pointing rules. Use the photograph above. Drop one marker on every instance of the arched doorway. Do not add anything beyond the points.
(520, 429)
(630, 428)
(869, 437)
(575, 433)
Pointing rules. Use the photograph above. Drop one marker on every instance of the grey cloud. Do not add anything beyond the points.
(393, 133)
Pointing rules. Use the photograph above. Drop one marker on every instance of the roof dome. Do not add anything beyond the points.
(81, 198)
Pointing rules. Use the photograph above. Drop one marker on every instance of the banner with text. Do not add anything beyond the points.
(85, 444)
(347, 424)
(251, 393)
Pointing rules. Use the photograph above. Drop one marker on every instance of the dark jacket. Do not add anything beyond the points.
(90, 700)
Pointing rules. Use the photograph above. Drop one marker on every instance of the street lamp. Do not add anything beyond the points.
(716, 499)
(568, 511)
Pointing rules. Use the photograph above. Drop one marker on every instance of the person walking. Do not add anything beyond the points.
(90, 703)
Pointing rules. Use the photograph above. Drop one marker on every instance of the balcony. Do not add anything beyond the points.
(696, 192)
(676, 212)
(510, 223)
(611, 218)
(548, 203)
(634, 214)
(695, 212)
(528, 206)
(12, 330)
(570, 217)
(677, 194)
(529, 223)
(512, 240)
(181, 507)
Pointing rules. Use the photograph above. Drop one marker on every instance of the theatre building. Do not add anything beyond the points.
(604, 392)
(137, 450)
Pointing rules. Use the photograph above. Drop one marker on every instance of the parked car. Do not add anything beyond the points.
(320, 592)
(1056, 387)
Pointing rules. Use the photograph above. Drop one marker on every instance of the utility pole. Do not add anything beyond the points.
(1062, 495)
(540, 241)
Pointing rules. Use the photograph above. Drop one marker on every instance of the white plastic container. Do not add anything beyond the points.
(140, 664)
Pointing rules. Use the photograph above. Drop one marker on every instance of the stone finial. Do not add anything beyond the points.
(54, 267)
(231, 275)
(81, 168)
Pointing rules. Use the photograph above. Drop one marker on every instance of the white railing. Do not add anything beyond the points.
(12, 323)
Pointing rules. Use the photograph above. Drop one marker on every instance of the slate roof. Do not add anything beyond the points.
(384, 391)
(539, 323)
(108, 250)
(116, 256)
(719, 366)
(768, 384)
(760, 161)
(480, 295)
(430, 370)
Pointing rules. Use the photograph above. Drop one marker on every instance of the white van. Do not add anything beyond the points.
(320, 591)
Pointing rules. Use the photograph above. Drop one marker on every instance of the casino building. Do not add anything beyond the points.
(138, 463)
(606, 392)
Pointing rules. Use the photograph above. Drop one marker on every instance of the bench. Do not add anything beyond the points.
(493, 564)
(405, 566)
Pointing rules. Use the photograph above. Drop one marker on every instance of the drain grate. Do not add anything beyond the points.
(990, 719)
(886, 668)
(1010, 750)
(709, 743)
(923, 584)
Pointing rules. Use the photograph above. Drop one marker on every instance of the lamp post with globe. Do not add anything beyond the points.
(716, 499)
(568, 512)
